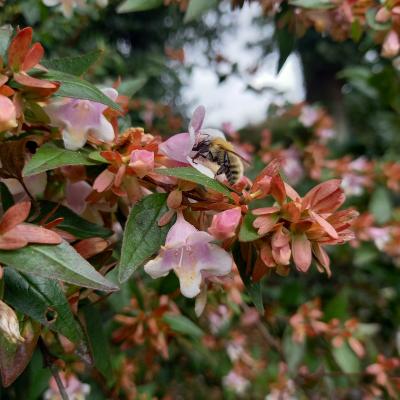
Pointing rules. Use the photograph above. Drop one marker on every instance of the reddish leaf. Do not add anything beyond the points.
(90, 247)
(11, 243)
(15, 215)
(301, 250)
(19, 47)
(3, 79)
(103, 181)
(33, 57)
(324, 224)
(6, 91)
(14, 358)
(30, 82)
(34, 234)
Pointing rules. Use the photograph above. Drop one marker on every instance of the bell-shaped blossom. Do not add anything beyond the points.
(236, 382)
(391, 44)
(78, 118)
(8, 114)
(76, 194)
(142, 162)
(224, 224)
(191, 255)
(180, 146)
(9, 326)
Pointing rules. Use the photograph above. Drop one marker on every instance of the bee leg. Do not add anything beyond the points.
(220, 171)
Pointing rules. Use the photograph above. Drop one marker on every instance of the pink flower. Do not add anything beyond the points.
(189, 253)
(8, 114)
(76, 194)
(224, 224)
(179, 147)
(309, 116)
(235, 382)
(142, 162)
(78, 118)
(391, 45)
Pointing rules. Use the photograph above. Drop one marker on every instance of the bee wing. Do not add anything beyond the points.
(238, 155)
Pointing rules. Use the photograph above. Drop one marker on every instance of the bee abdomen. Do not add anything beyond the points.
(235, 170)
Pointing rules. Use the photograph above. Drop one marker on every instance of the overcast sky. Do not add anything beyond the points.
(229, 101)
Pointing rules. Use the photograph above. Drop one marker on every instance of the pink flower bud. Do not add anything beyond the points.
(224, 224)
(391, 45)
(142, 162)
(383, 15)
(8, 114)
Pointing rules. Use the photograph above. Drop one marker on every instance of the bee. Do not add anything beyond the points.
(220, 152)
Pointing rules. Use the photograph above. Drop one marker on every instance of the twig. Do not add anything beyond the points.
(48, 360)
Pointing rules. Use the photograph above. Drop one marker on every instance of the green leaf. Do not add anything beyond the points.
(381, 205)
(346, 359)
(51, 156)
(77, 88)
(191, 174)
(7, 199)
(43, 300)
(356, 30)
(5, 36)
(198, 7)
(247, 232)
(98, 342)
(72, 223)
(56, 262)
(181, 324)
(131, 86)
(143, 237)
(138, 5)
(77, 65)
(286, 43)
(313, 4)
(254, 289)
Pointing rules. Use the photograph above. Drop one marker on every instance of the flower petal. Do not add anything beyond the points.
(177, 147)
(157, 268)
(197, 118)
(104, 130)
(75, 195)
(189, 280)
(179, 232)
(215, 261)
(74, 139)
(201, 168)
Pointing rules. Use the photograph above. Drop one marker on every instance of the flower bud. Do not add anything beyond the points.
(8, 114)
(142, 162)
(391, 45)
(9, 326)
(224, 224)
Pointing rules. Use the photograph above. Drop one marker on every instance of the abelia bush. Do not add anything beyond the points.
(126, 254)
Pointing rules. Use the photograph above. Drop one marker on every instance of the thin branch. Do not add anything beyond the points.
(48, 360)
